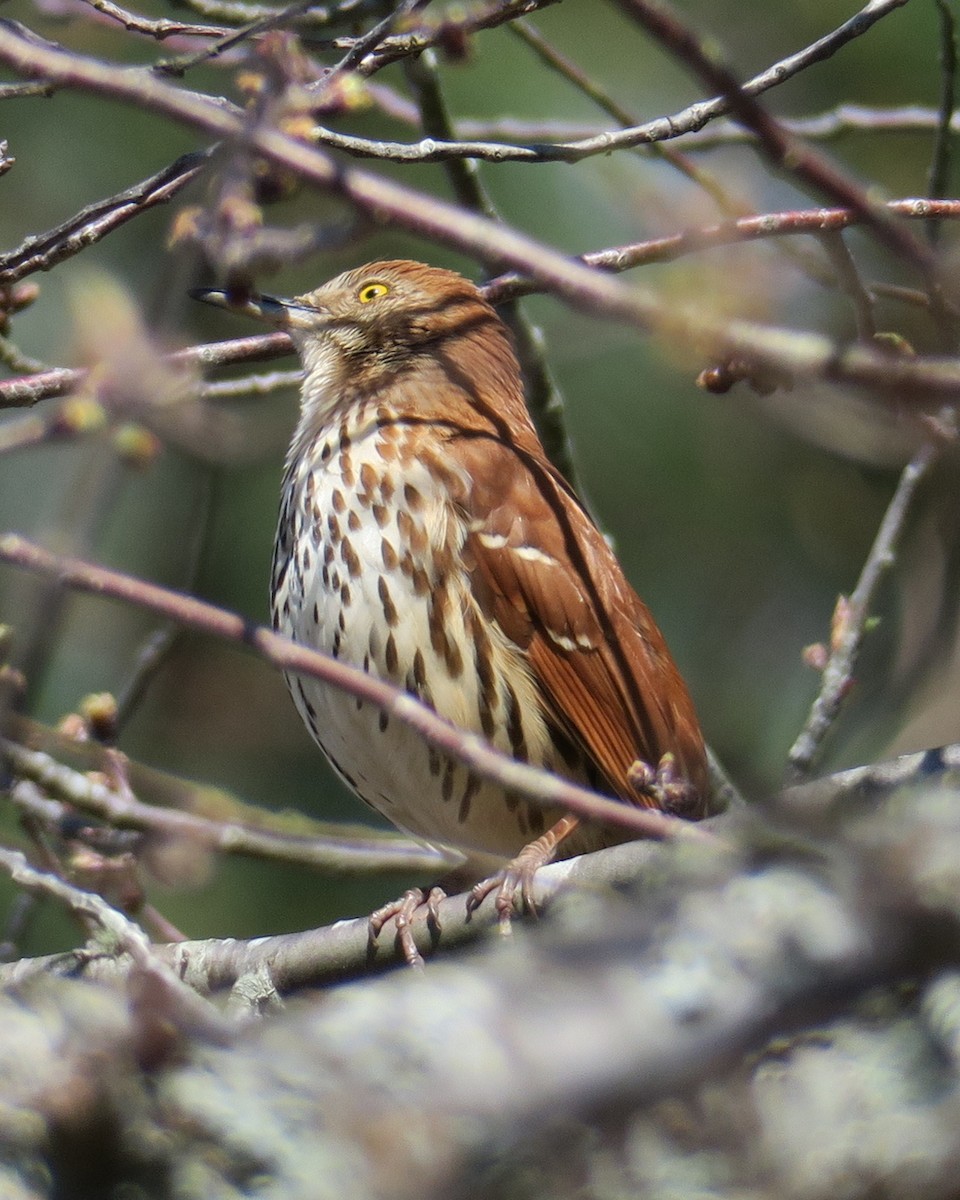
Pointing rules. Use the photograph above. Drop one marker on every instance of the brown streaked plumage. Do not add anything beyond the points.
(425, 537)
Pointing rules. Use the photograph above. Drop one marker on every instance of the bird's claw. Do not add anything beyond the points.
(671, 792)
(403, 912)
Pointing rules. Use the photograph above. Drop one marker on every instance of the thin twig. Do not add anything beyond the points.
(848, 277)
(939, 174)
(829, 125)
(23, 392)
(269, 20)
(569, 70)
(780, 147)
(41, 252)
(251, 385)
(316, 17)
(158, 29)
(838, 675)
(348, 854)
(536, 785)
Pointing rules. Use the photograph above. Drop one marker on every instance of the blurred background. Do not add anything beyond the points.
(739, 519)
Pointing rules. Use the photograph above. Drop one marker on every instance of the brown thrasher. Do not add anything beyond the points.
(425, 536)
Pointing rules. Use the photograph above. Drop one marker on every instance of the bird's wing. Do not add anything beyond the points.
(543, 571)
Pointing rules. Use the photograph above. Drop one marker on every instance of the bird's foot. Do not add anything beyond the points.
(516, 878)
(665, 786)
(402, 912)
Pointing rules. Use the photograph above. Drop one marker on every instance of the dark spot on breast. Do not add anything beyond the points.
(421, 582)
(350, 558)
(368, 478)
(485, 712)
(311, 711)
(390, 614)
(389, 555)
(390, 655)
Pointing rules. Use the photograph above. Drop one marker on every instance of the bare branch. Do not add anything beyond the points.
(777, 144)
(850, 623)
(158, 29)
(341, 854)
(44, 251)
(923, 377)
(538, 786)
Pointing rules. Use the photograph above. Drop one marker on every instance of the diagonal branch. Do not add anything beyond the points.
(782, 148)
(775, 350)
(537, 786)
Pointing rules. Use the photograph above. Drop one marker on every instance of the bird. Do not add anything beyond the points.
(425, 537)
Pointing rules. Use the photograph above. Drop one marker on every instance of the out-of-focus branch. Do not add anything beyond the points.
(939, 173)
(344, 854)
(43, 251)
(836, 122)
(183, 1003)
(811, 354)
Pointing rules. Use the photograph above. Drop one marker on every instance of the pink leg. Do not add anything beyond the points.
(517, 875)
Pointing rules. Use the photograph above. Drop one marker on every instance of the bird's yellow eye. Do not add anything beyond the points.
(372, 291)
